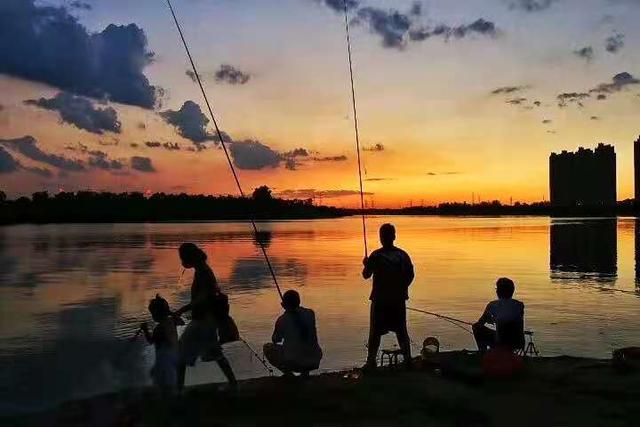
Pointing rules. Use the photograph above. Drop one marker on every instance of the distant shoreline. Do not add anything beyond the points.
(93, 208)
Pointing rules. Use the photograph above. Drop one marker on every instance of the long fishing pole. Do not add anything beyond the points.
(355, 126)
(261, 359)
(222, 142)
(455, 322)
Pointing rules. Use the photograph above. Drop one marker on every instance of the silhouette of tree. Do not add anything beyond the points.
(262, 194)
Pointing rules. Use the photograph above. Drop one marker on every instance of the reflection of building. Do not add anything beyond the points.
(585, 178)
(585, 248)
(636, 170)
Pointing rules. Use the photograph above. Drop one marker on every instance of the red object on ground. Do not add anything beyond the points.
(501, 363)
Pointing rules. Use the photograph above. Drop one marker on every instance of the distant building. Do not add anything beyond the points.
(583, 179)
(636, 170)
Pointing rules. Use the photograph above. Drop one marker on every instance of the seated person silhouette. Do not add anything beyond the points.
(294, 346)
(507, 314)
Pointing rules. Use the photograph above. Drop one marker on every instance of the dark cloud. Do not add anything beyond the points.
(28, 147)
(339, 5)
(516, 101)
(572, 97)
(531, 5)
(595, 118)
(142, 164)
(191, 75)
(341, 158)
(585, 53)
(231, 75)
(80, 112)
(614, 43)
(379, 179)
(537, 103)
(171, 146)
(619, 82)
(374, 148)
(80, 5)
(546, 121)
(191, 123)
(134, 145)
(508, 90)
(397, 28)
(7, 163)
(253, 155)
(47, 44)
(310, 193)
(602, 97)
(442, 173)
(101, 160)
(479, 26)
(141, 125)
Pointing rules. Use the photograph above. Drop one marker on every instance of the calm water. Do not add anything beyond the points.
(72, 295)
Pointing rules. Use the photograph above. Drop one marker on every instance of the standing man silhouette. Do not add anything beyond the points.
(392, 273)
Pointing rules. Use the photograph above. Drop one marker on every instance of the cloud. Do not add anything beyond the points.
(80, 112)
(142, 164)
(191, 123)
(338, 5)
(80, 5)
(619, 82)
(231, 75)
(602, 97)
(378, 179)
(47, 44)
(391, 25)
(171, 146)
(442, 173)
(191, 75)
(585, 53)
(374, 148)
(505, 90)
(594, 118)
(311, 193)
(253, 155)
(572, 97)
(7, 163)
(614, 43)
(341, 158)
(537, 103)
(28, 147)
(546, 121)
(516, 101)
(531, 5)
(479, 26)
(101, 160)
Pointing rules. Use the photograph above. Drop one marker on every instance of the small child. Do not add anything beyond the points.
(165, 340)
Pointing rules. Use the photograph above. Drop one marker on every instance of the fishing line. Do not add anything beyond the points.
(261, 359)
(355, 126)
(223, 143)
(456, 322)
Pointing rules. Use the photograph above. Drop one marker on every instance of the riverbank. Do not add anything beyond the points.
(552, 391)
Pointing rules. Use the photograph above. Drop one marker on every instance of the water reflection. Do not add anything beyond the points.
(584, 248)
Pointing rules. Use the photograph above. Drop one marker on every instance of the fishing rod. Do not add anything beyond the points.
(456, 322)
(355, 126)
(223, 144)
(261, 359)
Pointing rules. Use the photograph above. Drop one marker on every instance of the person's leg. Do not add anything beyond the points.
(402, 334)
(484, 337)
(373, 344)
(274, 355)
(226, 370)
(182, 369)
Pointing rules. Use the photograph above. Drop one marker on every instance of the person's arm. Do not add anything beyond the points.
(367, 271)
(410, 273)
(486, 317)
(183, 310)
(277, 332)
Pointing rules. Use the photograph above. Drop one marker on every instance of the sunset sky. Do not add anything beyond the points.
(454, 97)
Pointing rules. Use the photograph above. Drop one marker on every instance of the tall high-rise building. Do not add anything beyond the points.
(583, 179)
(636, 168)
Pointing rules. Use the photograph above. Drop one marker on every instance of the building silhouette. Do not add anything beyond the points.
(636, 168)
(583, 179)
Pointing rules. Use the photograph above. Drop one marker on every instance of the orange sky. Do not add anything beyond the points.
(445, 136)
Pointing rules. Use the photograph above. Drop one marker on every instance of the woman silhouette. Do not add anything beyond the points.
(200, 337)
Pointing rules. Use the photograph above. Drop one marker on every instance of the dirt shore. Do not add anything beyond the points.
(562, 391)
